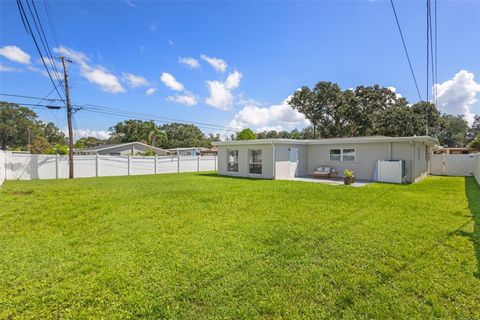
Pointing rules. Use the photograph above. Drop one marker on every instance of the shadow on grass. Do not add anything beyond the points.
(216, 175)
(472, 191)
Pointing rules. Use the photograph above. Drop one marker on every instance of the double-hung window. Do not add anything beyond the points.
(342, 155)
(232, 160)
(255, 161)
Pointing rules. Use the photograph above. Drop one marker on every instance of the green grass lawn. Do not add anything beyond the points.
(199, 246)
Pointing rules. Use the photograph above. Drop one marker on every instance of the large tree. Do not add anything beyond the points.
(246, 134)
(474, 130)
(88, 142)
(15, 124)
(180, 135)
(427, 118)
(50, 132)
(137, 130)
(453, 131)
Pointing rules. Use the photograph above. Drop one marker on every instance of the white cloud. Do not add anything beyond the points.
(150, 91)
(15, 54)
(83, 133)
(276, 117)
(153, 26)
(171, 82)
(107, 81)
(4, 68)
(187, 99)
(458, 95)
(190, 62)
(394, 90)
(217, 63)
(221, 96)
(131, 4)
(76, 56)
(134, 81)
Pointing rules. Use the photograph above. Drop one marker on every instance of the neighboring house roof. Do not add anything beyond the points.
(369, 139)
(188, 148)
(111, 146)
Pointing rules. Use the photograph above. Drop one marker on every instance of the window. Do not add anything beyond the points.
(348, 154)
(255, 161)
(335, 154)
(232, 160)
(342, 155)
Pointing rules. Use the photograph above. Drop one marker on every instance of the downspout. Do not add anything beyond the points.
(274, 160)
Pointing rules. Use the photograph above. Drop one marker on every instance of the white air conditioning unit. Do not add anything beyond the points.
(391, 171)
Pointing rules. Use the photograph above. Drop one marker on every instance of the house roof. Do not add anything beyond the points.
(111, 146)
(187, 148)
(369, 139)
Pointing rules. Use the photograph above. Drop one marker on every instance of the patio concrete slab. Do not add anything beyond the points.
(360, 183)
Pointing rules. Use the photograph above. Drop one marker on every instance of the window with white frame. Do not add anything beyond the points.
(342, 155)
(232, 160)
(348, 154)
(255, 161)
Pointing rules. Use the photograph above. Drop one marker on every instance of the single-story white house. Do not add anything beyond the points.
(289, 158)
(121, 149)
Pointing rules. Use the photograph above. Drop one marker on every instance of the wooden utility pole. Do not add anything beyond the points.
(69, 119)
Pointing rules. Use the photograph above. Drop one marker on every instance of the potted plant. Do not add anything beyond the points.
(348, 177)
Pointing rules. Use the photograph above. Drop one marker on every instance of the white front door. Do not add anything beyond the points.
(293, 162)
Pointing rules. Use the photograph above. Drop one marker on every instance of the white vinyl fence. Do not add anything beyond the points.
(3, 168)
(39, 166)
(476, 167)
(453, 164)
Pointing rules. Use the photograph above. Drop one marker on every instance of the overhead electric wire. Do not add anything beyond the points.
(436, 56)
(27, 23)
(50, 22)
(428, 47)
(406, 50)
(431, 48)
(28, 97)
(39, 27)
(125, 114)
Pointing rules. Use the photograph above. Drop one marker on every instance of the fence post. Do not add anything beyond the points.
(155, 169)
(178, 163)
(198, 163)
(97, 165)
(56, 167)
(128, 167)
(215, 163)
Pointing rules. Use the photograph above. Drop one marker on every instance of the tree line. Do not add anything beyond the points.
(21, 130)
(332, 112)
(371, 110)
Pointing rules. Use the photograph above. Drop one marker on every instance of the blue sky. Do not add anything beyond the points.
(263, 52)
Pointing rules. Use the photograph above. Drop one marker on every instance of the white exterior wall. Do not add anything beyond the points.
(365, 156)
(267, 160)
(282, 160)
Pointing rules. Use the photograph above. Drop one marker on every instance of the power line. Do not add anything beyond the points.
(30, 32)
(43, 38)
(436, 55)
(126, 114)
(29, 97)
(406, 50)
(428, 45)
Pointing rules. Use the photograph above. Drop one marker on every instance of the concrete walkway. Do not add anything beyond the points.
(360, 183)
